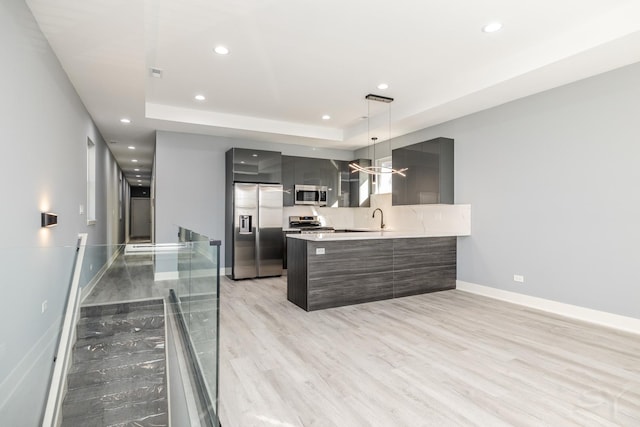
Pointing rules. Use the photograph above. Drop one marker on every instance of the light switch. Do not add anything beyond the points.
(319, 251)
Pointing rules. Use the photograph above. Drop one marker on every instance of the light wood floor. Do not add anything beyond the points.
(443, 359)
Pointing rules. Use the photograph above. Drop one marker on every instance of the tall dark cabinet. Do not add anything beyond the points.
(429, 178)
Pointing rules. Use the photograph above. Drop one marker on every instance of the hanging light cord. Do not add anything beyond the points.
(374, 169)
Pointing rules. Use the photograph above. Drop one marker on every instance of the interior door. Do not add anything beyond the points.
(140, 217)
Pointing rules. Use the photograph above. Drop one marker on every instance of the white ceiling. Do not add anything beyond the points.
(292, 61)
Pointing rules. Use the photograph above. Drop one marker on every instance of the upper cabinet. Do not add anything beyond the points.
(259, 166)
(429, 178)
(343, 188)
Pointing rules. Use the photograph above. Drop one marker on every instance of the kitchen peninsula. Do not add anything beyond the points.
(332, 270)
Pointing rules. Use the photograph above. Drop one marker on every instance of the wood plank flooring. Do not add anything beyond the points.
(442, 359)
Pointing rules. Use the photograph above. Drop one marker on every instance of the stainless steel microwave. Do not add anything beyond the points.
(315, 195)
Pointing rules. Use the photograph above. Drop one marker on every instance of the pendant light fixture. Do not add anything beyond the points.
(374, 169)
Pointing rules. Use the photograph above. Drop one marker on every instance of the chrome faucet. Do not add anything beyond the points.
(381, 216)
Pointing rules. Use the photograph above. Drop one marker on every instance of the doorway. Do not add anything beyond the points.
(140, 219)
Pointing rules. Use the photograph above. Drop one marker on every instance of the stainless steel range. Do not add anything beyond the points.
(308, 225)
(303, 225)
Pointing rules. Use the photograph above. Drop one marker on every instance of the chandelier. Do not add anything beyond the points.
(373, 169)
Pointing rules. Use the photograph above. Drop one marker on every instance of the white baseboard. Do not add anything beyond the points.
(624, 323)
(166, 275)
(175, 275)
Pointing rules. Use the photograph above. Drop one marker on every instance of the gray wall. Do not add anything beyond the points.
(553, 182)
(190, 180)
(43, 135)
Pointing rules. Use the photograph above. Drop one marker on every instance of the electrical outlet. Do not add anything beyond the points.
(44, 306)
(319, 251)
(518, 278)
(81, 209)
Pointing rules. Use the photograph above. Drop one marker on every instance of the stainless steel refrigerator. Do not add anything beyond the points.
(257, 230)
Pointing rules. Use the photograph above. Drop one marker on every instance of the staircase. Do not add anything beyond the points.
(118, 375)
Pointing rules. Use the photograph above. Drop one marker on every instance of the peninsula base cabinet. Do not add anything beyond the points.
(345, 272)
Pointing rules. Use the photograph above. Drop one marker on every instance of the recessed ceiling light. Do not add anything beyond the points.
(221, 50)
(383, 86)
(139, 185)
(131, 147)
(134, 160)
(326, 117)
(137, 176)
(139, 180)
(125, 121)
(254, 155)
(137, 170)
(242, 162)
(199, 98)
(492, 27)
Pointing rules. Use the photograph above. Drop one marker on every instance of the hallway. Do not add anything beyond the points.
(129, 278)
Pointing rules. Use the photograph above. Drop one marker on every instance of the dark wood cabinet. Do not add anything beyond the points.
(429, 178)
(324, 274)
(257, 166)
(342, 186)
(288, 180)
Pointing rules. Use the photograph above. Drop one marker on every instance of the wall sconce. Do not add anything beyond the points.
(48, 219)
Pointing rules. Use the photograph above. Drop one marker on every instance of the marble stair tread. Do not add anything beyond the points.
(145, 311)
(125, 410)
(100, 327)
(203, 317)
(150, 387)
(203, 335)
(118, 374)
(109, 420)
(110, 309)
(118, 345)
(97, 372)
(115, 362)
(199, 297)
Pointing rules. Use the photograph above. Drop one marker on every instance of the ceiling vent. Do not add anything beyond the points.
(156, 72)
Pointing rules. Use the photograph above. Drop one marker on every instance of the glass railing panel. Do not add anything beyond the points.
(35, 291)
(204, 315)
(198, 299)
(38, 288)
(135, 271)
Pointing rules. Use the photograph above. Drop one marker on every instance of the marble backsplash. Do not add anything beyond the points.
(454, 219)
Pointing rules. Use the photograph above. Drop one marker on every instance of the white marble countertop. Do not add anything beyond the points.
(365, 235)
